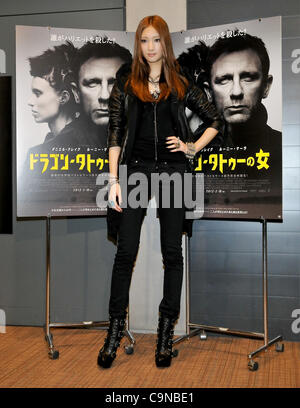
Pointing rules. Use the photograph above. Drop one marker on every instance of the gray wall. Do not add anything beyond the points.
(226, 256)
(81, 255)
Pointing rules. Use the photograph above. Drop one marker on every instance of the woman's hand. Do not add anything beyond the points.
(176, 144)
(114, 194)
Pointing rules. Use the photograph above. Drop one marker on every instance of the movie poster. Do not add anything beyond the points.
(64, 78)
(63, 82)
(238, 66)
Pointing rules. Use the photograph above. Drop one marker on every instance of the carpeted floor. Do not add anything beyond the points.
(218, 362)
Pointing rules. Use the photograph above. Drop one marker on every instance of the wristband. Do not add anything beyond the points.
(113, 180)
(191, 150)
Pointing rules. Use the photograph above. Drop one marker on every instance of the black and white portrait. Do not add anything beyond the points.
(239, 69)
(62, 122)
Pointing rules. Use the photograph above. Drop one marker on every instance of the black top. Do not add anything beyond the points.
(155, 125)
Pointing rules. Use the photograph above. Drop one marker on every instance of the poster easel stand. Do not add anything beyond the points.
(194, 329)
(53, 353)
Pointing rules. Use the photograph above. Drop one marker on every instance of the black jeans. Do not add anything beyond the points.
(171, 226)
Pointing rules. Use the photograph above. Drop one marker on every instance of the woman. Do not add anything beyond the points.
(148, 131)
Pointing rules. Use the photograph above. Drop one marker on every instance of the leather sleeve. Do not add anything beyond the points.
(116, 124)
(197, 102)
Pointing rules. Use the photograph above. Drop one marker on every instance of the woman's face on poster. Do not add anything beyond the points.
(44, 101)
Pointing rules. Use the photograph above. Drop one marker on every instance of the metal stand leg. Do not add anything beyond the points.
(187, 283)
(129, 349)
(187, 297)
(198, 328)
(253, 366)
(52, 353)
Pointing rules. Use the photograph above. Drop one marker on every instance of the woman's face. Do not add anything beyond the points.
(151, 45)
(44, 101)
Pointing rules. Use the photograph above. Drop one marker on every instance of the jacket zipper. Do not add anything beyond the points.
(155, 131)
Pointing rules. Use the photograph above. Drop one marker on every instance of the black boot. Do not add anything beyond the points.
(165, 332)
(114, 335)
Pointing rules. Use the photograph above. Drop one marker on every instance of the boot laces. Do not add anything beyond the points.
(115, 333)
(165, 333)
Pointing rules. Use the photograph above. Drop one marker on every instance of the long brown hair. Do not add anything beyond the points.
(138, 79)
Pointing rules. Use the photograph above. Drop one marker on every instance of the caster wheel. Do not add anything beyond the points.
(175, 353)
(203, 336)
(129, 349)
(253, 365)
(279, 347)
(53, 355)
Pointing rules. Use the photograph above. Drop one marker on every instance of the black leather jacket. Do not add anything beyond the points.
(124, 112)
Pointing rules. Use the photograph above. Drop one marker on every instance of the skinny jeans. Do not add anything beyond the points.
(171, 226)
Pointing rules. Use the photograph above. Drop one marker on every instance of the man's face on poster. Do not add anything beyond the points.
(237, 85)
(96, 79)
